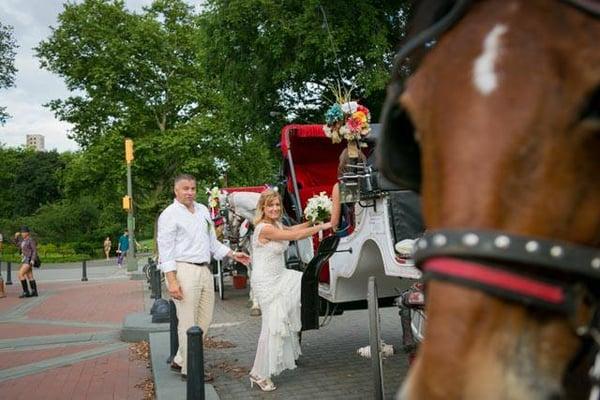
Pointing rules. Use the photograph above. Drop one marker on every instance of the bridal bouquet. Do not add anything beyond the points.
(318, 208)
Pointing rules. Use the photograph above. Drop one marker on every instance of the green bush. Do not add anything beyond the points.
(66, 249)
(83, 248)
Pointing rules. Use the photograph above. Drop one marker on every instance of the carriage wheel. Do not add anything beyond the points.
(374, 338)
(220, 280)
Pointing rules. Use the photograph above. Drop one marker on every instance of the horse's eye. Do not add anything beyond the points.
(590, 112)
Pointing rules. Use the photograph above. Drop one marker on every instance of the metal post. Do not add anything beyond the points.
(157, 284)
(375, 338)
(8, 270)
(195, 363)
(84, 271)
(152, 283)
(131, 262)
(174, 321)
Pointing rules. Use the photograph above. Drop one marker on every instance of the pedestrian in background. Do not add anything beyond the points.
(107, 246)
(122, 248)
(28, 246)
(186, 241)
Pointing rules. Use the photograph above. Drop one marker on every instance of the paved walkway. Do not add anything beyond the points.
(65, 344)
(329, 367)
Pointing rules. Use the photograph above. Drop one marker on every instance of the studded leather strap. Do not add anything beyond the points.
(500, 247)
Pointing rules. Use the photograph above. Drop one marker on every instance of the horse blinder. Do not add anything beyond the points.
(399, 154)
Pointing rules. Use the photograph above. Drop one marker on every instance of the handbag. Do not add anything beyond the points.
(37, 263)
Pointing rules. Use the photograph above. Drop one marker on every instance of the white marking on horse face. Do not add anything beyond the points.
(484, 75)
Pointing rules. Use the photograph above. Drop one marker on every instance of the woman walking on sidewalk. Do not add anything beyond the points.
(277, 290)
(107, 245)
(29, 253)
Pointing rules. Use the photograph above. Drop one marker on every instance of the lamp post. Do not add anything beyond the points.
(128, 205)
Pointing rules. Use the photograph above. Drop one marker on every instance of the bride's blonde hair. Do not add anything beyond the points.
(266, 198)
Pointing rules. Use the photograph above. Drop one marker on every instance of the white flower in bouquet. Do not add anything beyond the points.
(318, 208)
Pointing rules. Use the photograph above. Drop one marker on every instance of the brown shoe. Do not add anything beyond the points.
(175, 367)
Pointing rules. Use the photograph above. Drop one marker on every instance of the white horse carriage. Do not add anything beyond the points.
(385, 222)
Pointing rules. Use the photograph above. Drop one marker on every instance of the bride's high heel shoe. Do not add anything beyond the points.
(266, 385)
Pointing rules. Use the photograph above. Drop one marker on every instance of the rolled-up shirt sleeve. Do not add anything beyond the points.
(165, 239)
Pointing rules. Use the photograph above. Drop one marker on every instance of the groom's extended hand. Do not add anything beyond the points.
(242, 258)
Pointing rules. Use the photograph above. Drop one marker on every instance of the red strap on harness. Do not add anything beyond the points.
(496, 278)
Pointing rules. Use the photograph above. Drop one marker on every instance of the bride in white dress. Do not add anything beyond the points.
(277, 290)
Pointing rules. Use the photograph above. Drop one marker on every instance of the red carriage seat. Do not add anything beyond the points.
(315, 160)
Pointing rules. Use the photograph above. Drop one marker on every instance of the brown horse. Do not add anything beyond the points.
(505, 107)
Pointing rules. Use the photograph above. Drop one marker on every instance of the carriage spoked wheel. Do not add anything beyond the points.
(374, 338)
(218, 278)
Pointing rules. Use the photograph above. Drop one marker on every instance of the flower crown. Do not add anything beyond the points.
(347, 120)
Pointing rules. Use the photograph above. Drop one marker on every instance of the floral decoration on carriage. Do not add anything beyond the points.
(346, 119)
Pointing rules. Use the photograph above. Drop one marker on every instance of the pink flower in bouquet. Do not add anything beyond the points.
(354, 124)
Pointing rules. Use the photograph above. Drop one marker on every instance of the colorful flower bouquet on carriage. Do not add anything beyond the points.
(347, 120)
(318, 208)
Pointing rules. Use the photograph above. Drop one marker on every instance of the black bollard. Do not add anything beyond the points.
(8, 271)
(84, 271)
(153, 283)
(157, 284)
(173, 322)
(195, 364)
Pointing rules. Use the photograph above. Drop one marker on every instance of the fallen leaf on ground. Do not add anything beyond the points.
(139, 351)
(147, 385)
(236, 371)
(213, 343)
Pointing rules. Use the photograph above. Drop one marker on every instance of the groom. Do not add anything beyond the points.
(186, 241)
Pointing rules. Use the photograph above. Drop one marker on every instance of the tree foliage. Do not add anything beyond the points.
(286, 56)
(201, 92)
(133, 73)
(8, 48)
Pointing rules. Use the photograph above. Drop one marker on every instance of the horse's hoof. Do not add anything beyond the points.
(255, 312)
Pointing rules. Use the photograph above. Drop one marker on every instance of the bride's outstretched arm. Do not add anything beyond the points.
(297, 227)
(270, 232)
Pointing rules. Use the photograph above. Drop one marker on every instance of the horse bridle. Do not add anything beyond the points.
(502, 264)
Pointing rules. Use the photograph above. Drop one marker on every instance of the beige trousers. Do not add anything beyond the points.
(196, 308)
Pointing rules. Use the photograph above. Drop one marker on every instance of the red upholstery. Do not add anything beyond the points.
(315, 159)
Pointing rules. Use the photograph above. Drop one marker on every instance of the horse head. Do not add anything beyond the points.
(499, 129)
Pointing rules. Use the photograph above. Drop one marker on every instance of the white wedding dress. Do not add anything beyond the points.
(278, 292)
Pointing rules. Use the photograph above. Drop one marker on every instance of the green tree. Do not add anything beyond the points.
(134, 73)
(285, 56)
(31, 178)
(7, 63)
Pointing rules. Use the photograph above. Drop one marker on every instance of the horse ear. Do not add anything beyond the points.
(398, 153)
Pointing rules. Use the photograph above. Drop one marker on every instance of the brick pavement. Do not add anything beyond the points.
(329, 368)
(65, 345)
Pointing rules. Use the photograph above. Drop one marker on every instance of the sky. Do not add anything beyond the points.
(31, 21)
